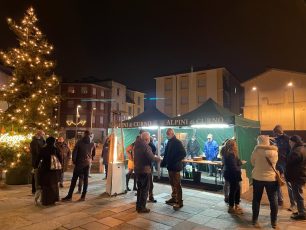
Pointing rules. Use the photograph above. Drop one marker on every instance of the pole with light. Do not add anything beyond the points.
(91, 117)
(76, 121)
(255, 89)
(290, 84)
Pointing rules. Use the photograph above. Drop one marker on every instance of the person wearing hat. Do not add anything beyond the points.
(296, 174)
(211, 150)
(282, 142)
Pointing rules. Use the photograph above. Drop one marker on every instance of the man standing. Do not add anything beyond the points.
(296, 174)
(143, 158)
(36, 145)
(282, 143)
(211, 150)
(174, 154)
(81, 157)
(65, 154)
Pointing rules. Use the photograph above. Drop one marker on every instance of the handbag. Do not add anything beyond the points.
(279, 178)
(55, 163)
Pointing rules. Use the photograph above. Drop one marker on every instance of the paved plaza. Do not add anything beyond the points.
(202, 210)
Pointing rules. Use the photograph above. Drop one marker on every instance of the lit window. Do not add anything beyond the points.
(93, 119)
(84, 90)
(102, 93)
(94, 91)
(71, 89)
(101, 120)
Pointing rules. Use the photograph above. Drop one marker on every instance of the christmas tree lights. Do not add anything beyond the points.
(31, 92)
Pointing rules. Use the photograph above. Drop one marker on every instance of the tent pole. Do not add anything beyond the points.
(158, 149)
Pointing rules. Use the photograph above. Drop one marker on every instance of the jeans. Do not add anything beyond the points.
(226, 188)
(298, 197)
(106, 169)
(76, 174)
(142, 190)
(81, 182)
(234, 193)
(175, 182)
(290, 193)
(271, 189)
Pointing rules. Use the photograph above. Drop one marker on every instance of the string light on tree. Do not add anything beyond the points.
(33, 84)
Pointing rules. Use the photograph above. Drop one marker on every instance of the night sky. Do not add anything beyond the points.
(134, 41)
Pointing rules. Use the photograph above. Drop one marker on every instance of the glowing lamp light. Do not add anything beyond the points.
(211, 126)
(254, 88)
(290, 84)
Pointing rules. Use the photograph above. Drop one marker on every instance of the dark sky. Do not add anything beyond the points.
(134, 41)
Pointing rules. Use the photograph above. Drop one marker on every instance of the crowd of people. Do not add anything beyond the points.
(272, 159)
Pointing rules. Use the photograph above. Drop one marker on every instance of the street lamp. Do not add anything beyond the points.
(290, 84)
(254, 88)
(91, 118)
(76, 121)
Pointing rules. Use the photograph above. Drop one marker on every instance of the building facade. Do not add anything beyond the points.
(90, 103)
(97, 105)
(134, 103)
(277, 97)
(181, 93)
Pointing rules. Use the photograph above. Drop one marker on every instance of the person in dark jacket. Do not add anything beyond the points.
(48, 178)
(105, 155)
(282, 142)
(232, 173)
(174, 154)
(193, 147)
(143, 158)
(296, 174)
(81, 157)
(151, 186)
(65, 152)
(36, 145)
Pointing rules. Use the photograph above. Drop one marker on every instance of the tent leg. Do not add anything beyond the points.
(158, 149)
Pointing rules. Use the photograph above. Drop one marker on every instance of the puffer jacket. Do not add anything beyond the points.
(262, 170)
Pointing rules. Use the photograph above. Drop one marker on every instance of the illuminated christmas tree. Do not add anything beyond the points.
(31, 92)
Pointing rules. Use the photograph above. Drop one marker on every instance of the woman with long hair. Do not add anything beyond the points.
(232, 174)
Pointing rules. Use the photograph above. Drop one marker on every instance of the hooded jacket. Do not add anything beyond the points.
(296, 165)
(262, 170)
(83, 153)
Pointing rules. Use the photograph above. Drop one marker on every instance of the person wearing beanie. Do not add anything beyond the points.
(282, 143)
(296, 174)
(264, 177)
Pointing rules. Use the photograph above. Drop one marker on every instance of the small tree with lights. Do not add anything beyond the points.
(31, 91)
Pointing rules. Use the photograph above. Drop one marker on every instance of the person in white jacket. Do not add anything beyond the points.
(264, 177)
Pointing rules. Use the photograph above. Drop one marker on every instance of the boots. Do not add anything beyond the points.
(134, 186)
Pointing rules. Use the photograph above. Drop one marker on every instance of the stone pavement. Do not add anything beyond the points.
(202, 210)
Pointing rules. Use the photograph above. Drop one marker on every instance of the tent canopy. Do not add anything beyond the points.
(150, 117)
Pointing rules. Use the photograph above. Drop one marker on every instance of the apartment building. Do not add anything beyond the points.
(134, 103)
(86, 104)
(182, 92)
(276, 97)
